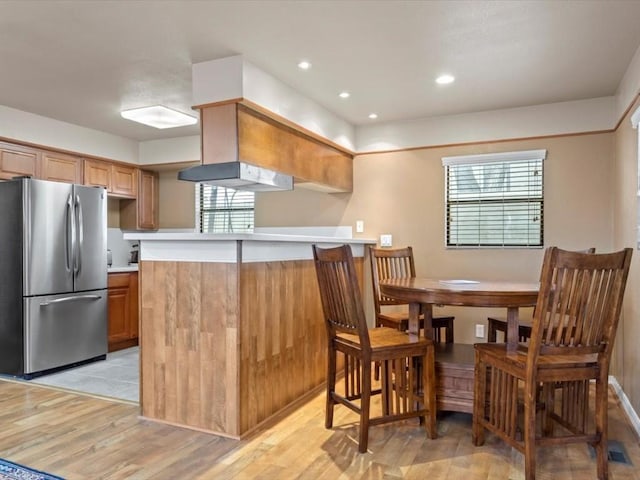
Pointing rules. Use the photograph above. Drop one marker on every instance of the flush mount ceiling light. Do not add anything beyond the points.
(159, 116)
(304, 65)
(445, 79)
(344, 95)
(373, 116)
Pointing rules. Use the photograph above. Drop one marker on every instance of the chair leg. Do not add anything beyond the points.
(365, 403)
(601, 427)
(479, 395)
(530, 432)
(548, 391)
(331, 387)
(429, 382)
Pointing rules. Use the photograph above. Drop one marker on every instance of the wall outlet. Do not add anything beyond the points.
(359, 226)
(479, 330)
(386, 240)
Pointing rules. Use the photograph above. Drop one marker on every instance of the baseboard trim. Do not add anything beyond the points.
(626, 404)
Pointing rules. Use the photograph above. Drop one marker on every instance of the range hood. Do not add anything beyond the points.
(239, 176)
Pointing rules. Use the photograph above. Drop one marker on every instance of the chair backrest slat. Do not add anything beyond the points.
(340, 292)
(579, 302)
(389, 263)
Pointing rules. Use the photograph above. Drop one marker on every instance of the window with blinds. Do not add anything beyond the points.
(495, 200)
(224, 210)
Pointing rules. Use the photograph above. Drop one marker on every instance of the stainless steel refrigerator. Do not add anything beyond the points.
(53, 275)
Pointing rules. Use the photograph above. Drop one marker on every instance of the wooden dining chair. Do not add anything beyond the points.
(573, 330)
(389, 263)
(499, 324)
(407, 361)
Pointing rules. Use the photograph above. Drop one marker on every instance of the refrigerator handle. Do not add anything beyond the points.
(70, 235)
(70, 299)
(79, 234)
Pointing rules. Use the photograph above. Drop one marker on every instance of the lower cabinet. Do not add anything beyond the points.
(123, 310)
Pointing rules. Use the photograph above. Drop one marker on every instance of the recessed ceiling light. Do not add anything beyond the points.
(445, 79)
(304, 65)
(373, 116)
(159, 116)
(344, 95)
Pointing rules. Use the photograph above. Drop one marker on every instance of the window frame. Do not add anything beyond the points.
(493, 159)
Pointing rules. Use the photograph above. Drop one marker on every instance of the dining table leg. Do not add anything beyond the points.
(512, 329)
(414, 318)
(426, 309)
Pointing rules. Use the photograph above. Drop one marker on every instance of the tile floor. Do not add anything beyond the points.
(118, 376)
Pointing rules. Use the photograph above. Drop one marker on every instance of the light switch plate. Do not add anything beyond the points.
(479, 330)
(386, 240)
(359, 226)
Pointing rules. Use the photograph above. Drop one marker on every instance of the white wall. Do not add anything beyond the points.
(170, 150)
(591, 115)
(48, 132)
(629, 86)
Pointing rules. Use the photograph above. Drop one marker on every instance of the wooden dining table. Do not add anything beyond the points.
(422, 293)
(455, 362)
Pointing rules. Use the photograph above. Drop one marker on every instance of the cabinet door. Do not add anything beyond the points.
(124, 180)
(119, 307)
(123, 310)
(148, 200)
(133, 306)
(97, 174)
(61, 168)
(16, 161)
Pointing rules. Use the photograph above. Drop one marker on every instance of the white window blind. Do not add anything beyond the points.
(224, 210)
(495, 200)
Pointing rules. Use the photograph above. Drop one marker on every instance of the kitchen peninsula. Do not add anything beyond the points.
(231, 326)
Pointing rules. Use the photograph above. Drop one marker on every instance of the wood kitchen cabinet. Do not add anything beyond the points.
(97, 173)
(124, 180)
(123, 310)
(142, 214)
(16, 161)
(119, 180)
(61, 167)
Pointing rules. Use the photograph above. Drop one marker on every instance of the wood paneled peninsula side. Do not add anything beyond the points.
(231, 327)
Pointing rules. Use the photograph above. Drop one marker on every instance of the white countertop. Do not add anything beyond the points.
(223, 247)
(252, 237)
(124, 268)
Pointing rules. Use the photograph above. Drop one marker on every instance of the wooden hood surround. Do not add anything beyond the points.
(235, 132)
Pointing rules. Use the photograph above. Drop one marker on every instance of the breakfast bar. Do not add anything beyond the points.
(231, 327)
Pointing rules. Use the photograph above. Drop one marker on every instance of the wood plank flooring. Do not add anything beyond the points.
(80, 437)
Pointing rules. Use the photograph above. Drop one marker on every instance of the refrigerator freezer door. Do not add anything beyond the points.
(46, 253)
(64, 329)
(91, 241)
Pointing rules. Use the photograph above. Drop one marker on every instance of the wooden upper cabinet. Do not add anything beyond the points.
(97, 174)
(60, 167)
(142, 214)
(17, 161)
(119, 180)
(148, 200)
(124, 180)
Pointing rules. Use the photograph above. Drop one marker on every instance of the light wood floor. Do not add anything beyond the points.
(79, 437)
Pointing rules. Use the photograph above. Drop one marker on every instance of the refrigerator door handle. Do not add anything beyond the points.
(79, 235)
(70, 238)
(75, 298)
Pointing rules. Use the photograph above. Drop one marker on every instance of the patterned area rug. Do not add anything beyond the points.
(14, 471)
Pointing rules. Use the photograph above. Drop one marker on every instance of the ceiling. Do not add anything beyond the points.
(83, 61)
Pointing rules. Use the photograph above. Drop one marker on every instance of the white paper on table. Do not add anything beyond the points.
(459, 282)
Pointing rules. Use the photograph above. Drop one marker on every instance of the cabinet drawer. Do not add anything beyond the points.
(118, 280)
